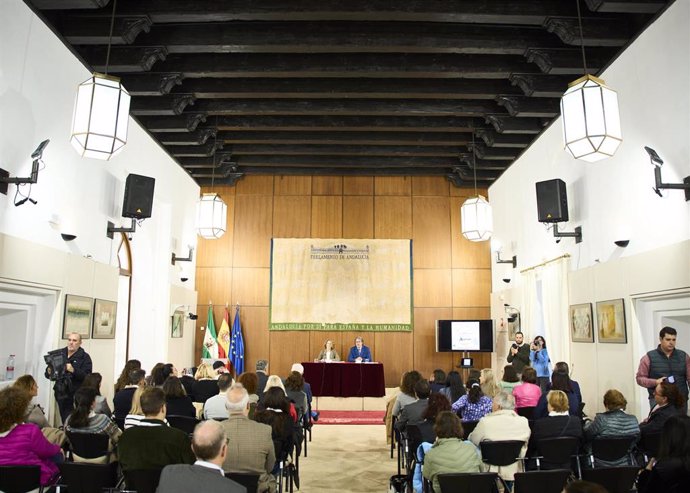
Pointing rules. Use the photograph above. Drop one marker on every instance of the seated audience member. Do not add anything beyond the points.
(23, 444)
(502, 424)
(85, 420)
(210, 447)
(136, 413)
(474, 405)
(669, 402)
(613, 423)
(328, 353)
(489, 386)
(262, 375)
(294, 389)
(214, 408)
(359, 353)
(510, 379)
(528, 392)
(250, 447)
(540, 361)
(559, 381)
(563, 367)
(276, 415)
(670, 471)
(454, 387)
(250, 381)
(437, 381)
(275, 381)
(34, 412)
(406, 395)
(123, 379)
(583, 487)
(122, 401)
(219, 369)
(557, 424)
(177, 402)
(205, 386)
(93, 380)
(153, 444)
(187, 380)
(450, 453)
(412, 413)
(306, 388)
(156, 377)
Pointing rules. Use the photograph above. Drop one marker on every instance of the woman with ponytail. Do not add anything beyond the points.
(474, 405)
(84, 420)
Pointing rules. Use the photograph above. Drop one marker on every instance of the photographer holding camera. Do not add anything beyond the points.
(519, 353)
(67, 367)
(540, 361)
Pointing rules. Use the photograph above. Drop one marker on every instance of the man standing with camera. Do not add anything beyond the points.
(69, 378)
(519, 353)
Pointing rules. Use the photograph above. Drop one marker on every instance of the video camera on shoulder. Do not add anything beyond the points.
(56, 362)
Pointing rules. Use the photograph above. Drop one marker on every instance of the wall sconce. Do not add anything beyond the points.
(68, 237)
(577, 234)
(501, 261)
(188, 258)
(622, 243)
(658, 184)
(5, 178)
(512, 313)
(112, 229)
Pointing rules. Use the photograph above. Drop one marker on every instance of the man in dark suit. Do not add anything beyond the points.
(359, 353)
(122, 401)
(262, 375)
(210, 447)
(412, 413)
(68, 379)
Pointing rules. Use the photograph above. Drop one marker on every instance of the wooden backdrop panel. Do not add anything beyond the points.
(213, 284)
(358, 217)
(432, 288)
(393, 185)
(327, 217)
(287, 348)
(431, 232)
(426, 359)
(358, 185)
(327, 185)
(431, 185)
(254, 330)
(253, 230)
(395, 351)
(217, 252)
(251, 286)
(292, 185)
(292, 216)
(255, 185)
(393, 217)
(471, 287)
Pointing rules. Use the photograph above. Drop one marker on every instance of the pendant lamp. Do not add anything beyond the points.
(211, 211)
(475, 214)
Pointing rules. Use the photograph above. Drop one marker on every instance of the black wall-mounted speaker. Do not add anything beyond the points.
(552, 201)
(138, 200)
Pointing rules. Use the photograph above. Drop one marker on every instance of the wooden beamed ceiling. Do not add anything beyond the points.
(363, 87)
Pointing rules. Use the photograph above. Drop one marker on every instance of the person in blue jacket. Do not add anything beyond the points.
(540, 361)
(359, 353)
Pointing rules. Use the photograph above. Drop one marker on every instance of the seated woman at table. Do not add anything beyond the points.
(328, 353)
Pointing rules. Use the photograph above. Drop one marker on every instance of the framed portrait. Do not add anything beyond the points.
(581, 323)
(77, 316)
(104, 315)
(177, 324)
(611, 321)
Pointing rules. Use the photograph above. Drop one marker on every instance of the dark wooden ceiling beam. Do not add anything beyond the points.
(182, 123)
(568, 61)
(509, 125)
(483, 165)
(69, 4)
(123, 58)
(482, 152)
(627, 6)
(161, 105)
(151, 84)
(595, 32)
(523, 106)
(343, 150)
(493, 139)
(541, 85)
(90, 30)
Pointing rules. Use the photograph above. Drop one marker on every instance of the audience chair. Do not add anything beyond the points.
(286, 476)
(478, 482)
(81, 477)
(184, 423)
(468, 427)
(558, 452)
(501, 452)
(248, 480)
(614, 479)
(414, 439)
(551, 481)
(526, 412)
(88, 445)
(649, 445)
(120, 422)
(20, 479)
(142, 480)
(612, 449)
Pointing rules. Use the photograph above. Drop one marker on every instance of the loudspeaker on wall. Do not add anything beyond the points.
(138, 200)
(552, 201)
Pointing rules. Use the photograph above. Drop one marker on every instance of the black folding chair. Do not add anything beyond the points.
(248, 480)
(468, 427)
(614, 479)
(80, 477)
(477, 482)
(649, 445)
(142, 480)
(20, 479)
(612, 449)
(558, 452)
(184, 423)
(526, 412)
(501, 452)
(551, 481)
(88, 445)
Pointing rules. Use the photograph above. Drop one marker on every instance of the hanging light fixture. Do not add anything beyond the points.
(475, 214)
(101, 112)
(591, 121)
(211, 211)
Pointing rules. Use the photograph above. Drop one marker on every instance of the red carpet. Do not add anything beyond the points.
(350, 418)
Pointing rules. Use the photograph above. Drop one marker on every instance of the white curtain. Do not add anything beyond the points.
(555, 303)
(530, 317)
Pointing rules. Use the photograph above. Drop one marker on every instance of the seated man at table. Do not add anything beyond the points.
(359, 353)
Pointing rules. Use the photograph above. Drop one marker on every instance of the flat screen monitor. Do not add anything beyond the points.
(464, 335)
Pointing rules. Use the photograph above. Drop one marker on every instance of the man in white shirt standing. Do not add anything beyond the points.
(214, 408)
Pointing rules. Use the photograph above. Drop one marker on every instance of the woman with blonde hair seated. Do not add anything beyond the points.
(328, 353)
(559, 423)
(136, 413)
(489, 386)
(205, 384)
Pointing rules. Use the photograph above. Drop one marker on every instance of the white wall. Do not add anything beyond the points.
(612, 200)
(38, 81)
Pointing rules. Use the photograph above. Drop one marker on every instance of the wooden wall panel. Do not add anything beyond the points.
(255, 185)
(471, 287)
(426, 359)
(392, 217)
(250, 286)
(358, 185)
(327, 217)
(432, 288)
(358, 217)
(327, 185)
(393, 185)
(395, 351)
(472, 313)
(255, 332)
(431, 232)
(287, 348)
(253, 230)
(437, 186)
(465, 253)
(213, 284)
(292, 216)
(292, 185)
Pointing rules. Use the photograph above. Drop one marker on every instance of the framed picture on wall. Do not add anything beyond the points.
(177, 324)
(104, 315)
(581, 323)
(611, 321)
(77, 316)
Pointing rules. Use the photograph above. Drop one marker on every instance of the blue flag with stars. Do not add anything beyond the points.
(237, 344)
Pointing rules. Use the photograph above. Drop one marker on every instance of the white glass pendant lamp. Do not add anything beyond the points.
(477, 219)
(591, 121)
(101, 116)
(212, 214)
